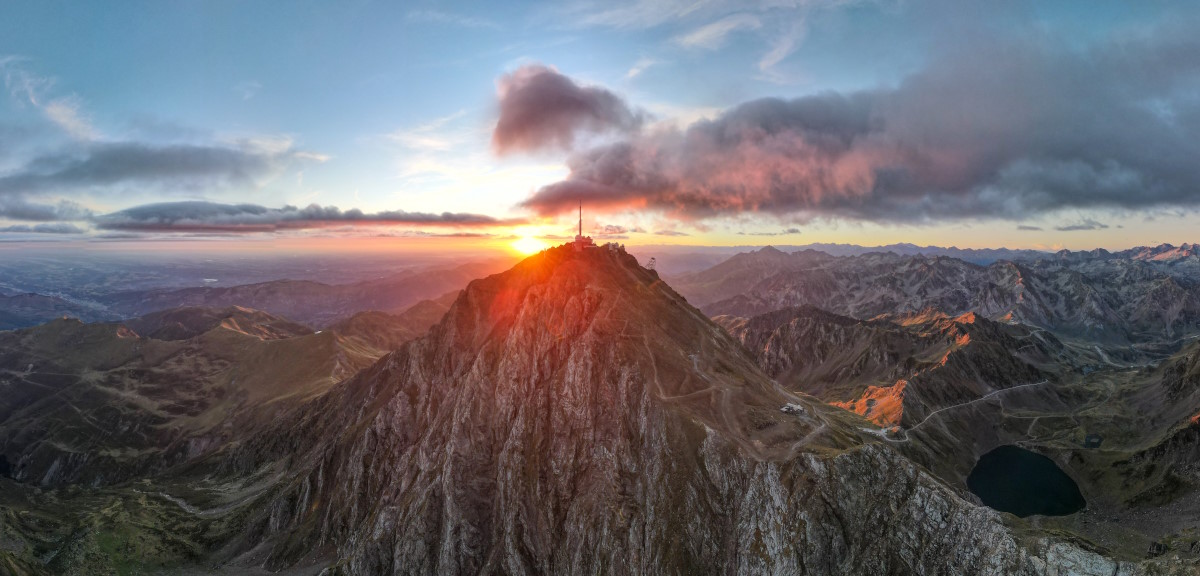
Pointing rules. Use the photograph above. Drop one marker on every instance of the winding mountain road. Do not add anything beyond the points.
(883, 434)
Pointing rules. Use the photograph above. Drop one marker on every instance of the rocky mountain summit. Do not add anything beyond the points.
(576, 415)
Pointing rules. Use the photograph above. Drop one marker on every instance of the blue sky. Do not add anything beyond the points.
(390, 107)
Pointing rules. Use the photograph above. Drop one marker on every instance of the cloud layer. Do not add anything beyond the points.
(1003, 129)
(43, 228)
(108, 164)
(214, 217)
(117, 166)
(542, 109)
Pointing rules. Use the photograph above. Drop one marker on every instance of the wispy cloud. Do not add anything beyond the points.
(432, 135)
(248, 89)
(311, 156)
(640, 66)
(21, 85)
(1028, 228)
(782, 47)
(680, 116)
(64, 111)
(712, 36)
(783, 25)
(642, 14)
(438, 17)
(1085, 224)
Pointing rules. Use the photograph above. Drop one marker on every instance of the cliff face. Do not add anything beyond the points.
(576, 416)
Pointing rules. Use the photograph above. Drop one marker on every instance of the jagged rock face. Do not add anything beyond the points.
(1102, 297)
(575, 416)
(1181, 377)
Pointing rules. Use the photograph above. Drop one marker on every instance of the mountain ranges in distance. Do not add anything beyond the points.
(779, 411)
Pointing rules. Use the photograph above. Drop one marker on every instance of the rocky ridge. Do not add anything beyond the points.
(1102, 297)
(896, 370)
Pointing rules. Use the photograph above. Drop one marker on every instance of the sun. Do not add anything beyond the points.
(529, 245)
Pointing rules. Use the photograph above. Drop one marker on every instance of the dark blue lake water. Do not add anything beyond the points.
(1013, 479)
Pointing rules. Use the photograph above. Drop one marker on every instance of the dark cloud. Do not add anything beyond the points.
(16, 207)
(425, 234)
(612, 229)
(44, 228)
(213, 217)
(109, 164)
(996, 128)
(1029, 228)
(542, 109)
(1085, 224)
(670, 233)
(119, 165)
(118, 236)
(787, 232)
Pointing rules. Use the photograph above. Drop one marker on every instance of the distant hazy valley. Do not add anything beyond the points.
(811, 410)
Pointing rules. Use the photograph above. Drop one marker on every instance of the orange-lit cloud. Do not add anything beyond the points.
(1043, 127)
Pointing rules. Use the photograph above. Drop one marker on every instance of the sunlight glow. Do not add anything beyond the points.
(529, 245)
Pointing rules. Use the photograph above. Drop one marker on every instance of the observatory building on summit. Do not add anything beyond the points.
(582, 241)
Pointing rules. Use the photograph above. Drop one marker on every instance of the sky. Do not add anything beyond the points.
(386, 125)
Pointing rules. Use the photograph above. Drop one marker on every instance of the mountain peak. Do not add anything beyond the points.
(562, 272)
